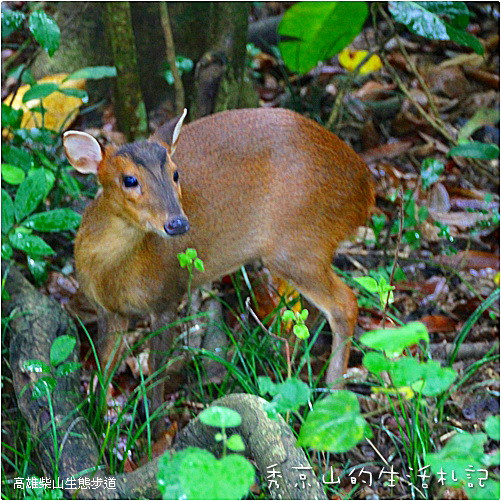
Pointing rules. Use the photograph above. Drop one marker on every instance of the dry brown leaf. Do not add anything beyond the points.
(389, 150)
(439, 323)
(471, 259)
(374, 91)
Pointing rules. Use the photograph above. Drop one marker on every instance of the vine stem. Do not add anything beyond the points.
(397, 248)
(171, 56)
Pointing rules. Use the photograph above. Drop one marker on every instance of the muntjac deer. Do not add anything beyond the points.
(246, 184)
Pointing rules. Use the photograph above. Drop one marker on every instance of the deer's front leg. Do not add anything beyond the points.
(161, 345)
(110, 329)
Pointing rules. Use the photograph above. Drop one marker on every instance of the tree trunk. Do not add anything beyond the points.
(130, 111)
(220, 80)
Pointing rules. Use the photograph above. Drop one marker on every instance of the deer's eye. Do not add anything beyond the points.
(176, 176)
(130, 181)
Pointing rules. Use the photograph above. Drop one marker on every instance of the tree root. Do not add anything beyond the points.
(68, 448)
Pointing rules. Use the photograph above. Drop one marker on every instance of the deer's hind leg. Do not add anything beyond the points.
(315, 279)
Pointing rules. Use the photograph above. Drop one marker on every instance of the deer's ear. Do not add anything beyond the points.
(82, 151)
(168, 133)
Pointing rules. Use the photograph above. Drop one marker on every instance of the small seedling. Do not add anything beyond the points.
(298, 318)
(189, 260)
(288, 396)
(60, 350)
(195, 473)
(380, 287)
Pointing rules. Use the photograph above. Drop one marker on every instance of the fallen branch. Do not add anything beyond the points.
(69, 448)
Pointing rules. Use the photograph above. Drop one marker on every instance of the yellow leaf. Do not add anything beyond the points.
(61, 109)
(350, 59)
(405, 391)
(496, 278)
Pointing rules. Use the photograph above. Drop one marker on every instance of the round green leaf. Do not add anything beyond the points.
(196, 474)
(461, 451)
(29, 194)
(266, 385)
(335, 424)
(288, 316)
(12, 174)
(311, 32)
(436, 378)
(45, 30)
(7, 212)
(183, 259)
(191, 253)
(301, 331)
(235, 443)
(376, 362)
(198, 264)
(61, 349)
(290, 395)
(492, 427)
(394, 341)
(405, 371)
(54, 220)
(221, 417)
(31, 244)
(227, 478)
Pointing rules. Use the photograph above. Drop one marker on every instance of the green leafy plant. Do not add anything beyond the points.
(288, 396)
(42, 26)
(431, 170)
(335, 424)
(32, 169)
(475, 149)
(189, 260)
(437, 21)
(39, 492)
(378, 222)
(379, 286)
(195, 473)
(298, 319)
(315, 31)
(60, 350)
(19, 221)
(462, 462)
(414, 216)
(183, 65)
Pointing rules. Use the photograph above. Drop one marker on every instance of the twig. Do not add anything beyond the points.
(278, 338)
(412, 66)
(397, 247)
(171, 56)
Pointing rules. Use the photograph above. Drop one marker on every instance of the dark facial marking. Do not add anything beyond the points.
(148, 155)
